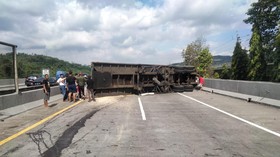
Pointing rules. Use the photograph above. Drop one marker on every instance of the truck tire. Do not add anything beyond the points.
(188, 88)
(178, 88)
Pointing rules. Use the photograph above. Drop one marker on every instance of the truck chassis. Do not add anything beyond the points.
(119, 78)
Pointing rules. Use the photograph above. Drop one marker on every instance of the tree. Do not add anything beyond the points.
(197, 54)
(191, 53)
(240, 62)
(7, 70)
(264, 15)
(276, 69)
(257, 65)
(216, 75)
(20, 68)
(205, 60)
(226, 72)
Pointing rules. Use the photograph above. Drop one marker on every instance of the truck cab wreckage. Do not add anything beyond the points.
(119, 78)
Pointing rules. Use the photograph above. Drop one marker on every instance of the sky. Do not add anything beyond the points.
(122, 31)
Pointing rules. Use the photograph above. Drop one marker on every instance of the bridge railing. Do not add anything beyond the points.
(256, 88)
(5, 82)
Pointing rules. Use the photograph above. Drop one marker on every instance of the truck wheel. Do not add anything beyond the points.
(178, 88)
(188, 88)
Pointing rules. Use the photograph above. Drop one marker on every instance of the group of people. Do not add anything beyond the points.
(69, 86)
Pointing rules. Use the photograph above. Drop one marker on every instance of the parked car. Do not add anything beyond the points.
(29, 81)
(39, 81)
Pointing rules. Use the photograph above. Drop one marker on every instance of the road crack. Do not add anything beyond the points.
(38, 138)
(66, 139)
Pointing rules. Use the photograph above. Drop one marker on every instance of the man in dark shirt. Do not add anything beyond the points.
(47, 90)
(81, 85)
(71, 86)
(90, 89)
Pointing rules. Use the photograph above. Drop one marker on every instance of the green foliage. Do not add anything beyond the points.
(226, 72)
(205, 60)
(198, 55)
(33, 65)
(276, 66)
(191, 53)
(240, 62)
(216, 75)
(264, 15)
(6, 66)
(219, 60)
(257, 62)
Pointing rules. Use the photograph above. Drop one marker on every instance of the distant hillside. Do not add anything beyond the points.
(33, 64)
(218, 61)
(178, 64)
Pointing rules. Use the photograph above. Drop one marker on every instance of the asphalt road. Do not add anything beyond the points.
(201, 124)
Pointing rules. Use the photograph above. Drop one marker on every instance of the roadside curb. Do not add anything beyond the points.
(9, 112)
(248, 98)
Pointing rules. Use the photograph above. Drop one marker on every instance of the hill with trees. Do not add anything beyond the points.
(220, 60)
(34, 64)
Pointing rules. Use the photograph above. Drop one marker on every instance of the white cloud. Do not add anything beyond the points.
(129, 31)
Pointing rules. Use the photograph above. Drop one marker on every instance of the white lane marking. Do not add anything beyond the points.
(141, 108)
(144, 94)
(233, 116)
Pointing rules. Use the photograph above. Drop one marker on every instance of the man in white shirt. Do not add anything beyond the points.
(62, 85)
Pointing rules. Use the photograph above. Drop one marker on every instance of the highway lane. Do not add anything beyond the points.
(175, 126)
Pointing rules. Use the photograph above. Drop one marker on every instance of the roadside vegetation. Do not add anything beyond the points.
(260, 63)
(34, 64)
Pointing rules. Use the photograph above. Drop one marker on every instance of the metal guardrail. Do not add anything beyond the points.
(7, 86)
(4, 82)
(23, 89)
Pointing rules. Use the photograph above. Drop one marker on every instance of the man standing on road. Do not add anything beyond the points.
(62, 85)
(81, 85)
(71, 86)
(47, 90)
(90, 89)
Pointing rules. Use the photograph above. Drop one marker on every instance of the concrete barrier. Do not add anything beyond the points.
(11, 100)
(4, 82)
(255, 88)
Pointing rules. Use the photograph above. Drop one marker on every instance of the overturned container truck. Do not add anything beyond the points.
(119, 78)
